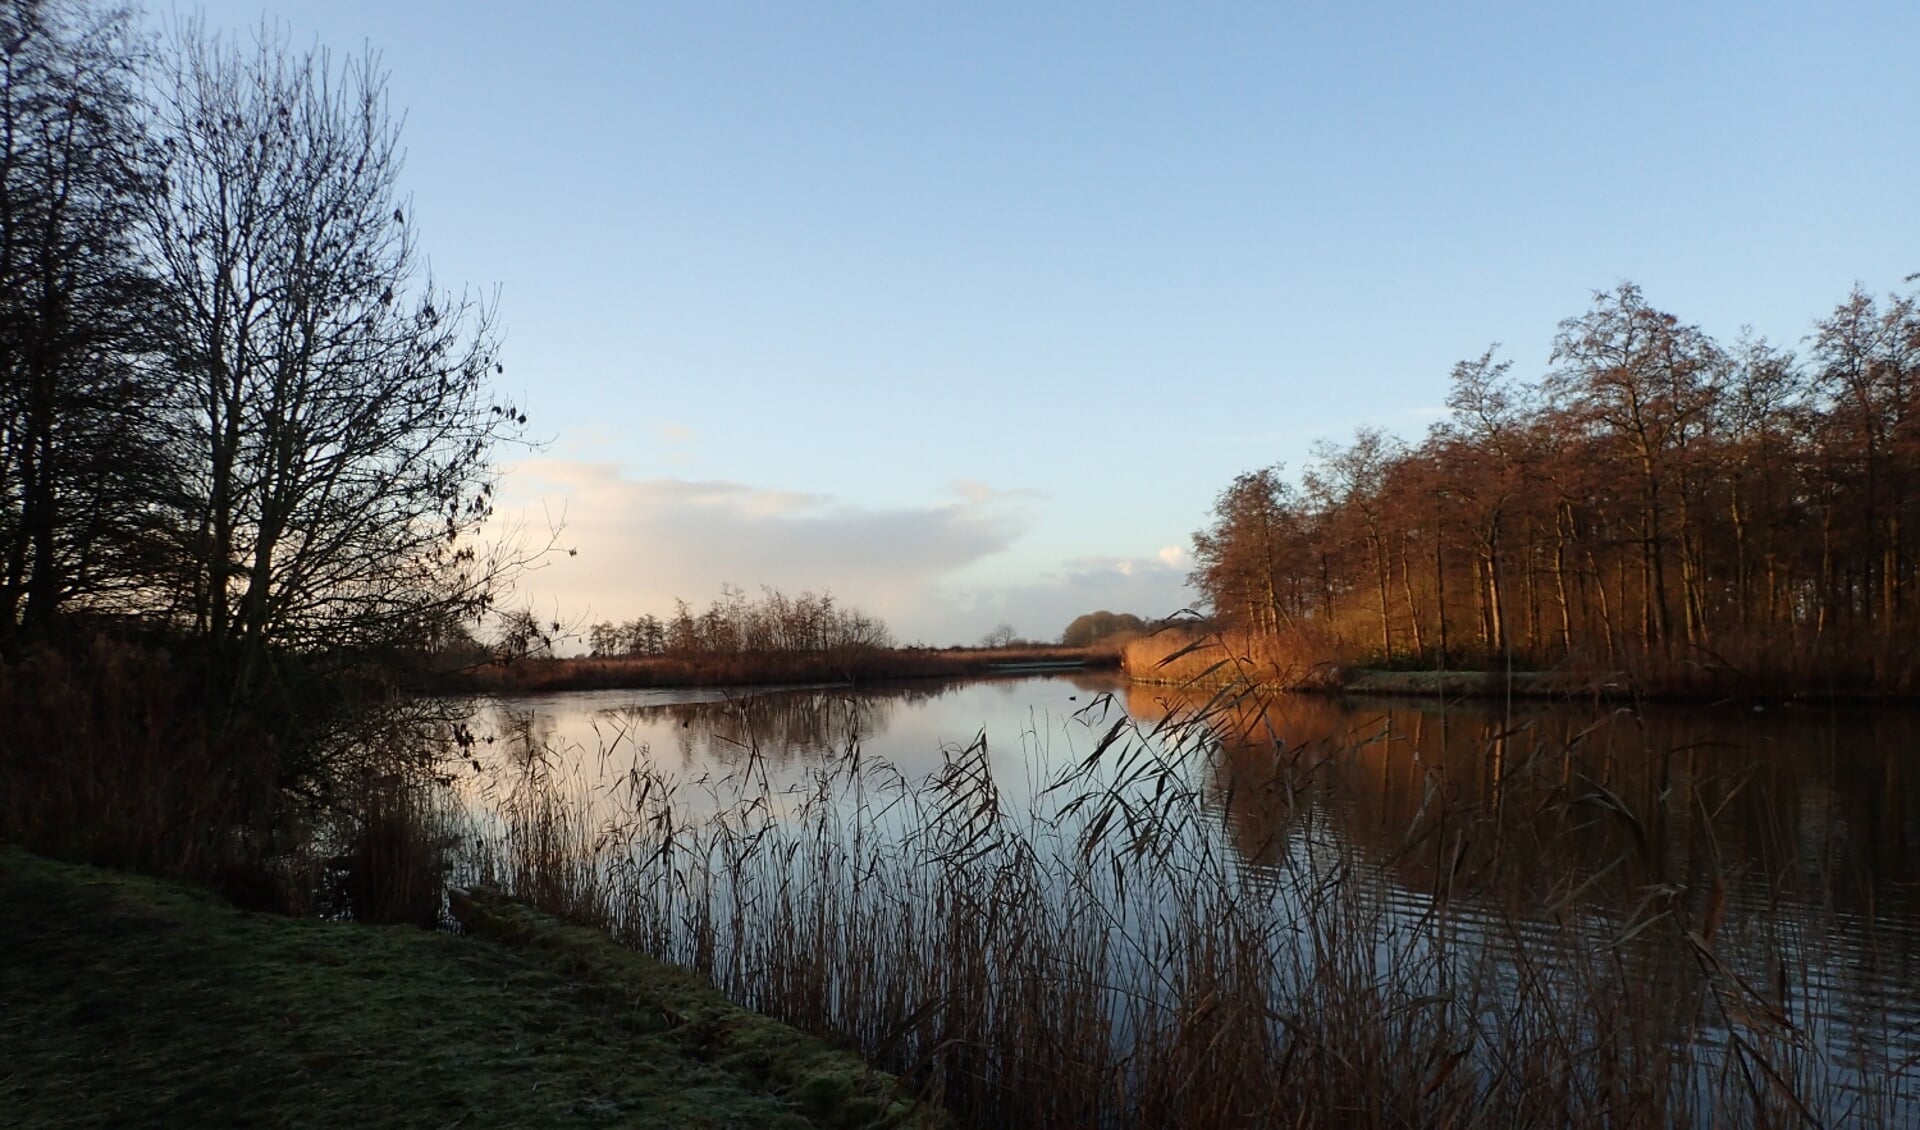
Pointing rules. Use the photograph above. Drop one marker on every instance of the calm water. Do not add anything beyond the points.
(1794, 831)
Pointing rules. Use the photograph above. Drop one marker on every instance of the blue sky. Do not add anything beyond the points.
(968, 312)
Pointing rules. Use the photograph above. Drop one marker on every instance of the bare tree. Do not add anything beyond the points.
(1252, 560)
(1000, 636)
(1353, 480)
(81, 473)
(1867, 376)
(335, 412)
(1481, 449)
(1641, 377)
(1656, 503)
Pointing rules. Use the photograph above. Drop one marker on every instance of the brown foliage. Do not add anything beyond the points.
(1198, 656)
(1657, 510)
(533, 676)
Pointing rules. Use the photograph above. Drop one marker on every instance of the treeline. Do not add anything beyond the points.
(234, 408)
(245, 447)
(736, 624)
(1093, 627)
(1656, 501)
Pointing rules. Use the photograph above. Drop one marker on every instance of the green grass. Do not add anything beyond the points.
(127, 1001)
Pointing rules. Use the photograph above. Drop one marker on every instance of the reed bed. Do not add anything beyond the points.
(104, 758)
(1099, 951)
(1195, 654)
(539, 674)
(1753, 665)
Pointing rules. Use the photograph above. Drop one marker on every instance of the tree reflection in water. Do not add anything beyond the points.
(1557, 913)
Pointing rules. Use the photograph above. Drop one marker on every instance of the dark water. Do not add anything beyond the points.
(1788, 837)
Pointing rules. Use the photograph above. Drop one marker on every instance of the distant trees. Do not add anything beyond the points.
(231, 402)
(1655, 494)
(1001, 635)
(1093, 627)
(736, 624)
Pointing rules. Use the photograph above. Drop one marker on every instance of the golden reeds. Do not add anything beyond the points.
(864, 665)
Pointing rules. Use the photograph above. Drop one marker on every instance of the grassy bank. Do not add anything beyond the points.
(131, 1001)
(536, 675)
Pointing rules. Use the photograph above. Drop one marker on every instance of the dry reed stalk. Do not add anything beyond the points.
(1105, 956)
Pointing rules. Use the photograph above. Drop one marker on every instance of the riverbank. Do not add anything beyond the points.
(1371, 682)
(538, 675)
(1213, 661)
(133, 1001)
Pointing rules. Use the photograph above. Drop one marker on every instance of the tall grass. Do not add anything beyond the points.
(856, 665)
(111, 755)
(1751, 665)
(1171, 932)
(1196, 655)
(104, 758)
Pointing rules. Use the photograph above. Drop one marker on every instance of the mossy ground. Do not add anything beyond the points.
(129, 1001)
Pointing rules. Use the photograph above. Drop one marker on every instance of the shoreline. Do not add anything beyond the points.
(540, 675)
(1363, 682)
(154, 1001)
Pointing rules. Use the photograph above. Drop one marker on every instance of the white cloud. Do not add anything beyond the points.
(1147, 586)
(641, 542)
(976, 491)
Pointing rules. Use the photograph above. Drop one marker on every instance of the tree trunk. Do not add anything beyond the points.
(1380, 573)
(1413, 611)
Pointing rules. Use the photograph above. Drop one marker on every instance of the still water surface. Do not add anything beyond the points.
(1795, 831)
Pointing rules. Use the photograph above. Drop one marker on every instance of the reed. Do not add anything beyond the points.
(110, 755)
(1103, 953)
(104, 758)
(540, 675)
(1197, 655)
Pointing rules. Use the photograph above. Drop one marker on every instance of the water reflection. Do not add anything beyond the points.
(1784, 839)
(1549, 837)
(1801, 804)
(710, 732)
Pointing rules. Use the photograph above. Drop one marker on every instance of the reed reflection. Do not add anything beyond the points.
(1555, 898)
(1783, 839)
(1806, 802)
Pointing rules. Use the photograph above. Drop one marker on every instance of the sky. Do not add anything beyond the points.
(967, 312)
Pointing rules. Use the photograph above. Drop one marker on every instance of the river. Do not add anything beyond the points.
(1776, 851)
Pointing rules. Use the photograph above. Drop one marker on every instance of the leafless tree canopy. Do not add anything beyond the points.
(81, 427)
(736, 624)
(236, 403)
(334, 407)
(1656, 497)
